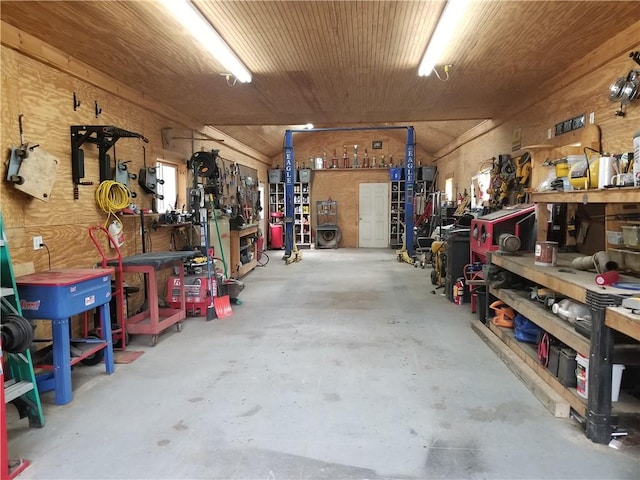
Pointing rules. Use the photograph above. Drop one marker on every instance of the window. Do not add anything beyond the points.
(479, 186)
(169, 189)
(448, 189)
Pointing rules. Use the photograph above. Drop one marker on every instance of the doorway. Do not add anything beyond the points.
(373, 215)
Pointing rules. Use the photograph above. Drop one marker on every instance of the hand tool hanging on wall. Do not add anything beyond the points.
(105, 137)
(31, 171)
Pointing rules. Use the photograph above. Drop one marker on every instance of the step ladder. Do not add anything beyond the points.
(20, 386)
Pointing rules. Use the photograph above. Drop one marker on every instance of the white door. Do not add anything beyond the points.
(373, 215)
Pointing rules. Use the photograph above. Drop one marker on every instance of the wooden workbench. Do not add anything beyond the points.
(243, 240)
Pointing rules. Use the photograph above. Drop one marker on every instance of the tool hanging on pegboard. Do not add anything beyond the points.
(31, 171)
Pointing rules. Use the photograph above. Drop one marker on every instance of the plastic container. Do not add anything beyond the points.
(275, 175)
(570, 310)
(631, 235)
(582, 378)
(632, 261)
(567, 367)
(617, 256)
(615, 238)
(395, 173)
(428, 174)
(304, 175)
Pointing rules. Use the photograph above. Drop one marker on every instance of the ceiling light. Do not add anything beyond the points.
(190, 18)
(447, 25)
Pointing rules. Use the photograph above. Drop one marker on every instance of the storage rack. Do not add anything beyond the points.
(396, 213)
(397, 207)
(302, 216)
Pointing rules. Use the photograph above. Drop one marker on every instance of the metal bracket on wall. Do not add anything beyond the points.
(105, 137)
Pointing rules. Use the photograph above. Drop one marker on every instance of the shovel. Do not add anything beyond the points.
(221, 303)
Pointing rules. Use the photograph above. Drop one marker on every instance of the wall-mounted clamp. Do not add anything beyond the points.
(105, 137)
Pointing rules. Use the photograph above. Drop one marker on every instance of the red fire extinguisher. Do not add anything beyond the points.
(458, 291)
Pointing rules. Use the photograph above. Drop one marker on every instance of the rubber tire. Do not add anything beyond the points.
(17, 333)
(434, 277)
(94, 359)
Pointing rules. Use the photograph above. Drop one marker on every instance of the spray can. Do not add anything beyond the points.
(636, 158)
(117, 235)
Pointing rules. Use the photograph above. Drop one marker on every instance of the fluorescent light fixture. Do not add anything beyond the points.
(190, 18)
(445, 28)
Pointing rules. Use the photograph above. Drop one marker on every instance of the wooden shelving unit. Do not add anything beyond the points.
(244, 255)
(579, 286)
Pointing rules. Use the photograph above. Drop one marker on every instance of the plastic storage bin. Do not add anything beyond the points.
(304, 175)
(631, 235)
(617, 256)
(567, 367)
(275, 175)
(427, 174)
(632, 261)
(615, 238)
(395, 173)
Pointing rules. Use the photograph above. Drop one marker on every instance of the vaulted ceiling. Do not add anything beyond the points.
(331, 63)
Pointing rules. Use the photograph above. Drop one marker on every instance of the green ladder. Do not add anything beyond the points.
(21, 387)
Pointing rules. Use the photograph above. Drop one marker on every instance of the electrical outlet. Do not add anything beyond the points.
(37, 242)
(592, 118)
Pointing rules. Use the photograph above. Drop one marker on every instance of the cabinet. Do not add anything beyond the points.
(602, 347)
(396, 213)
(243, 246)
(276, 213)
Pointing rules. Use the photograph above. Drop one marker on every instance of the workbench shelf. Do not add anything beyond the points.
(599, 411)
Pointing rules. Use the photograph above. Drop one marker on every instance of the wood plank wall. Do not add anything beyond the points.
(587, 93)
(44, 95)
(342, 185)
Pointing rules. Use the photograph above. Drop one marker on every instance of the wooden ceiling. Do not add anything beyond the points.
(331, 63)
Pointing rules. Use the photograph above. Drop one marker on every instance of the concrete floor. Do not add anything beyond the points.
(342, 366)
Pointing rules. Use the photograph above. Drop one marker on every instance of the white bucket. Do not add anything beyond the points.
(582, 378)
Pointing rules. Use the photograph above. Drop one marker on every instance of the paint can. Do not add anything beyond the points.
(546, 254)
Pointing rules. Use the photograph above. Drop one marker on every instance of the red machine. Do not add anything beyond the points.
(195, 290)
(518, 220)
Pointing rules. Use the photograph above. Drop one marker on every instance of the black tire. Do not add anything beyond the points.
(434, 277)
(94, 359)
(16, 333)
